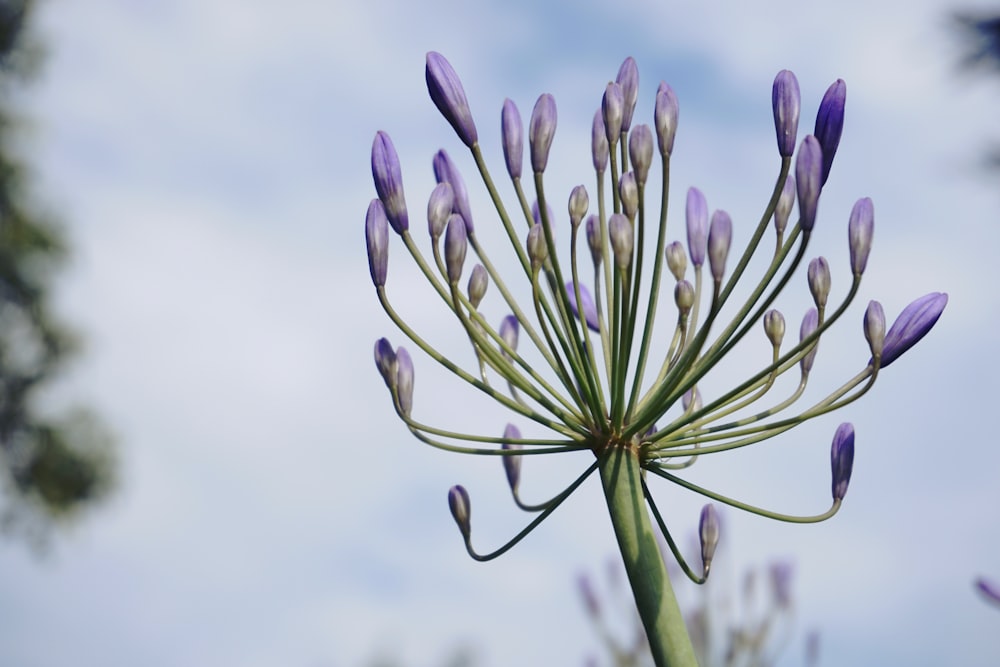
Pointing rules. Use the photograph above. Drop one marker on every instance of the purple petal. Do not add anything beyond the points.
(830, 123)
(589, 310)
(912, 324)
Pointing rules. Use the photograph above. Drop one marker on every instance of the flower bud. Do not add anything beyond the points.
(684, 297)
(875, 328)
(404, 380)
(511, 464)
(818, 275)
(912, 324)
(676, 259)
(455, 245)
(377, 238)
(859, 233)
(783, 209)
(774, 327)
(599, 143)
(809, 324)
(509, 328)
(446, 172)
(541, 130)
(842, 459)
(622, 239)
(613, 106)
(513, 138)
(665, 117)
(439, 206)
(808, 179)
(478, 282)
(538, 250)
(628, 79)
(785, 101)
(720, 235)
(708, 535)
(691, 400)
(697, 226)
(458, 503)
(594, 239)
(388, 177)
(629, 191)
(589, 309)
(385, 362)
(449, 97)
(579, 202)
(640, 150)
(830, 124)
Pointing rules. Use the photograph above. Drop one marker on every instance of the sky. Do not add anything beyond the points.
(210, 162)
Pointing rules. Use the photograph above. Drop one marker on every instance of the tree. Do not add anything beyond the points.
(51, 466)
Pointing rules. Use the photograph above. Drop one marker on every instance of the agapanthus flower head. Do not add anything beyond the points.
(581, 351)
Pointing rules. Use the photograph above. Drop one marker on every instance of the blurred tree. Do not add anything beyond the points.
(50, 467)
(980, 33)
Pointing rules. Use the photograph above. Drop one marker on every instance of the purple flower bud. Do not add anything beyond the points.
(874, 324)
(708, 535)
(809, 324)
(818, 275)
(774, 327)
(665, 117)
(511, 464)
(691, 399)
(628, 79)
(404, 380)
(541, 129)
(449, 97)
(859, 233)
(640, 149)
(509, 328)
(589, 310)
(439, 206)
(912, 325)
(579, 202)
(456, 244)
(988, 589)
(622, 239)
(594, 239)
(446, 172)
(676, 259)
(513, 138)
(720, 235)
(613, 106)
(842, 459)
(783, 209)
(377, 237)
(697, 226)
(684, 297)
(808, 178)
(628, 189)
(385, 362)
(830, 124)
(388, 178)
(599, 143)
(458, 503)
(478, 282)
(785, 101)
(538, 250)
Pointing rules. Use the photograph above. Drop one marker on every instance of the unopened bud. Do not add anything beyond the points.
(385, 362)
(708, 535)
(830, 123)
(808, 180)
(579, 202)
(785, 101)
(587, 303)
(665, 115)
(622, 239)
(440, 205)
(512, 463)
(774, 327)
(818, 276)
(456, 244)
(697, 226)
(458, 503)
(599, 143)
(720, 236)
(478, 282)
(912, 324)
(875, 328)
(404, 380)
(509, 328)
(513, 138)
(691, 400)
(640, 149)
(809, 324)
(449, 97)
(783, 209)
(445, 171)
(628, 79)
(629, 191)
(538, 250)
(859, 233)
(684, 297)
(377, 238)
(676, 259)
(541, 130)
(613, 106)
(388, 177)
(842, 459)
(594, 239)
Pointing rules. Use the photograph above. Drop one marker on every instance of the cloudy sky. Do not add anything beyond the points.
(210, 161)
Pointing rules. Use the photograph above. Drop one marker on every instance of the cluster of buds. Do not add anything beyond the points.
(606, 378)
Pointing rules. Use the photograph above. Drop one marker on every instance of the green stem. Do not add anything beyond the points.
(621, 477)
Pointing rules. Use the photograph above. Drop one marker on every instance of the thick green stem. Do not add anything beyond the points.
(647, 574)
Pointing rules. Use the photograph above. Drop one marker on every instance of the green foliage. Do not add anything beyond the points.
(51, 466)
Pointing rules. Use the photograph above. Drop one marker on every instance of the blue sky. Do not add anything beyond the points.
(210, 161)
